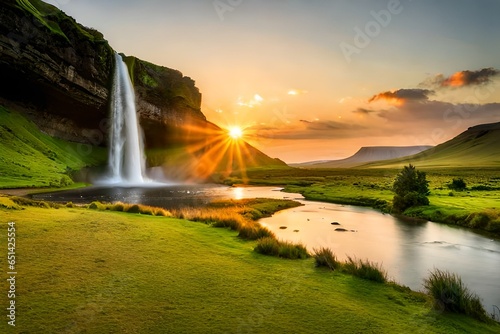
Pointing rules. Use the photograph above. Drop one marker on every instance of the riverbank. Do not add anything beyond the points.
(31, 191)
(476, 207)
(188, 277)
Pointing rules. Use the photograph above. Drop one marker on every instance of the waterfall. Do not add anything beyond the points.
(126, 151)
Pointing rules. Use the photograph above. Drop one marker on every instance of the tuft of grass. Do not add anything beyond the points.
(267, 246)
(7, 203)
(255, 208)
(324, 257)
(223, 217)
(254, 232)
(118, 206)
(284, 249)
(452, 295)
(23, 201)
(289, 250)
(162, 212)
(365, 269)
(134, 208)
(96, 205)
(130, 208)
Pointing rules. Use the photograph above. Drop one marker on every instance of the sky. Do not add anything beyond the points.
(318, 79)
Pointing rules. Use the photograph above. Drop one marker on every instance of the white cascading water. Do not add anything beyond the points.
(126, 151)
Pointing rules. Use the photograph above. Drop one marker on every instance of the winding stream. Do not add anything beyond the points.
(406, 250)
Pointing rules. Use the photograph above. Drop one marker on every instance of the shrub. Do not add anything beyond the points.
(70, 205)
(118, 206)
(324, 257)
(96, 205)
(365, 269)
(267, 246)
(134, 209)
(254, 232)
(450, 294)
(162, 212)
(411, 188)
(478, 220)
(494, 226)
(457, 184)
(411, 199)
(65, 181)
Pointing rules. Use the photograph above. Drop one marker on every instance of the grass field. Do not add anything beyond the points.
(30, 158)
(82, 270)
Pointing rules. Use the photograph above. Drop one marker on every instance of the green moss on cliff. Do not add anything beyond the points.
(148, 81)
(29, 158)
(164, 85)
(57, 21)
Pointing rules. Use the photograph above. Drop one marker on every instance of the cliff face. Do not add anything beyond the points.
(56, 68)
(60, 72)
(168, 103)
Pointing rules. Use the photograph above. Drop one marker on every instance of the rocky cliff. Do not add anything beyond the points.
(60, 72)
(168, 102)
(56, 68)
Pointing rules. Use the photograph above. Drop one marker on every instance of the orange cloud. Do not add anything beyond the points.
(455, 80)
(401, 96)
(462, 78)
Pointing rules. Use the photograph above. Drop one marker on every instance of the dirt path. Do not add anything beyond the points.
(17, 192)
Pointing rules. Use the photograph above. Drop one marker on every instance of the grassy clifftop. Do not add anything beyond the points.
(55, 20)
(30, 158)
(162, 85)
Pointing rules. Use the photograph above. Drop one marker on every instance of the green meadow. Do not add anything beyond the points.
(92, 271)
(30, 158)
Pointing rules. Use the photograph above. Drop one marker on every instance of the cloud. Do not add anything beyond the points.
(444, 114)
(327, 129)
(401, 96)
(427, 123)
(462, 78)
(297, 92)
(364, 111)
(255, 101)
(329, 125)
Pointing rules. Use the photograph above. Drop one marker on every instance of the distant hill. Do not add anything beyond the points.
(476, 147)
(367, 154)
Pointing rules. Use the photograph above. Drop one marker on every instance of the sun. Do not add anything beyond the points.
(235, 132)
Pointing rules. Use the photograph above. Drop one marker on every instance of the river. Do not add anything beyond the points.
(408, 251)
